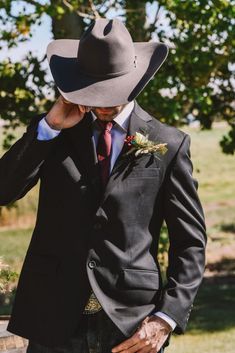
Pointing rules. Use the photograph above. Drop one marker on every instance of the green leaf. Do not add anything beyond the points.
(60, 10)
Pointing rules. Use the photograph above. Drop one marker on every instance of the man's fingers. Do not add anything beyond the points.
(147, 349)
(126, 344)
(149, 338)
(139, 346)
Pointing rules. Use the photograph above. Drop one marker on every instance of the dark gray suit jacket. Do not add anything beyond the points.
(108, 242)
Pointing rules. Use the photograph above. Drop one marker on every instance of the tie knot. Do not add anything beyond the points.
(106, 125)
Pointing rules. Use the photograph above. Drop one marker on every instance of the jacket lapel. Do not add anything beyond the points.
(138, 123)
(81, 140)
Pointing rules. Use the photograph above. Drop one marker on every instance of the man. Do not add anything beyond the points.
(91, 280)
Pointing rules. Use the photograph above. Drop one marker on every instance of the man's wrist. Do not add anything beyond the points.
(45, 132)
(167, 319)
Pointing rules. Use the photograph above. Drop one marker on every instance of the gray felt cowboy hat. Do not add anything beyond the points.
(105, 67)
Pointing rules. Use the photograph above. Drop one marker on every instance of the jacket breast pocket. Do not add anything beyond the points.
(144, 173)
(42, 264)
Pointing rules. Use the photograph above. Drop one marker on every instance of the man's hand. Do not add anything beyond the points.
(149, 337)
(64, 114)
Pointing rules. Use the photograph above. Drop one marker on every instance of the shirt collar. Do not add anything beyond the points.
(122, 119)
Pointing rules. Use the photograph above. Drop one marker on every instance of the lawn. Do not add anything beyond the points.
(215, 342)
(211, 327)
(14, 244)
(212, 324)
(215, 172)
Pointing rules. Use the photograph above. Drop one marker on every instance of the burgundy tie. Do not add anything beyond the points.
(104, 150)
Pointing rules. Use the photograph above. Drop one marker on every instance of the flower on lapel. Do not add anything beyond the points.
(140, 144)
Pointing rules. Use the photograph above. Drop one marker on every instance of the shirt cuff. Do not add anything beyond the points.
(45, 132)
(168, 319)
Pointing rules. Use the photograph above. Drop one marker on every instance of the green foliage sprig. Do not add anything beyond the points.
(7, 276)
(140, 144)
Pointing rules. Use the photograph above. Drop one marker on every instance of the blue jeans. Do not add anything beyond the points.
(95, 334)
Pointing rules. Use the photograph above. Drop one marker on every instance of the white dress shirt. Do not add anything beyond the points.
(118, 133)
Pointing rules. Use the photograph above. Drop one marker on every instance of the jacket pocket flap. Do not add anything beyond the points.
(139, 279)
(43, 264)
(144, 173)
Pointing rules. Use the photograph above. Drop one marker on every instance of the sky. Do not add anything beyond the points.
(42, 36)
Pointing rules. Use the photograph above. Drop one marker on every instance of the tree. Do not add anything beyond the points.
(198, 75)
(197, 79)
(24, 85)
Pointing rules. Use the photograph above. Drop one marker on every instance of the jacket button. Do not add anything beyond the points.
(97, 226)
(92, 264)
(83, 188)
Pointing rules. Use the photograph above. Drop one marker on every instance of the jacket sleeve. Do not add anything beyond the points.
(187, 234)
(20, 165)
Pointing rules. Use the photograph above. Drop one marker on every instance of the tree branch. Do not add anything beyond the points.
(32, 2)
(133, 10)
(156, 15)
(81, 14)
(67, 4)
(86, 15)
(152, 26)
(93, 8)
(102, 4)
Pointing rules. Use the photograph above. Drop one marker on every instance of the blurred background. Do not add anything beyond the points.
(193, 90)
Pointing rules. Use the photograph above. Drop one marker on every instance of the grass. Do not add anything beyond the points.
(14, 244)
(216, 342)
(215, 172)
(211, 327)
(22, 215)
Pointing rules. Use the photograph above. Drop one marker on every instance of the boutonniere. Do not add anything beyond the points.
(140, 144)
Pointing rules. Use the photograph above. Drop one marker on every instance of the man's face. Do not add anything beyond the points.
(107, 113)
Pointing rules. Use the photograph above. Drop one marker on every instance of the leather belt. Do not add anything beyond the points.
(93, 305)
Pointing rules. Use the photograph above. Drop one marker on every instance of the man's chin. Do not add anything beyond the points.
(105, 118)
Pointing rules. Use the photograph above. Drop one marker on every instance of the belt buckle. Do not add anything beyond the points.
(93, 305)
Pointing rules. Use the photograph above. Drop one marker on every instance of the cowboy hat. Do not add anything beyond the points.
(105, 68)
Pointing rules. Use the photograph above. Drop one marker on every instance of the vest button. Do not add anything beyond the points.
(92, 264)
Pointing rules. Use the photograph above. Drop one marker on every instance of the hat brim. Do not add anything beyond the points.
(79, 88)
